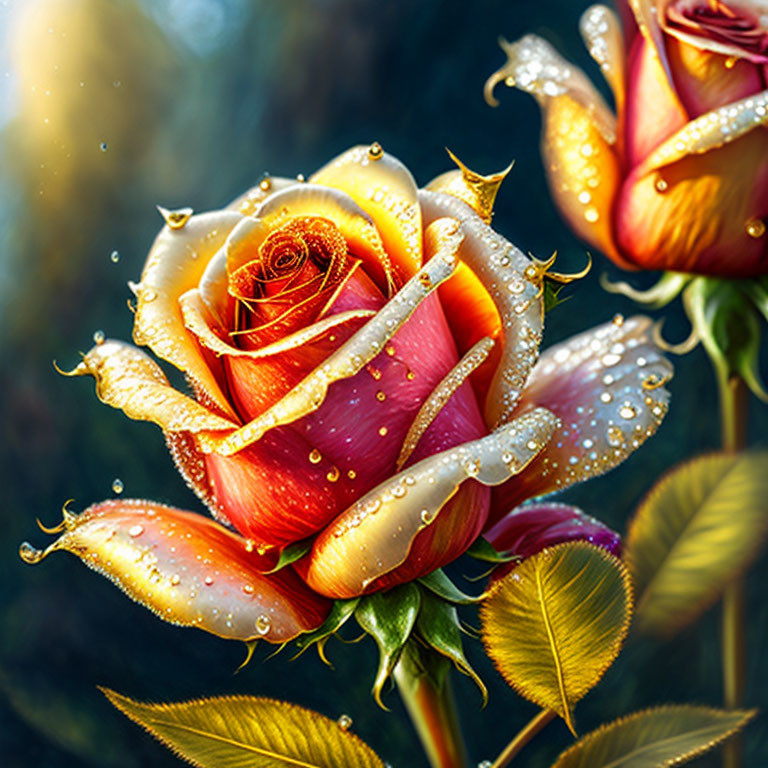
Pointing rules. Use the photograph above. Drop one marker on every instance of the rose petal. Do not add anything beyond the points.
(355, 225)
(308, 395)
(128, 379)
(528, 529)
(707, 216)
(647, 19)
(654, 111)
(250, 201)
(513, 283)
(381, 185)
(188, 570)
(704, 82)
(535, 67)
(375, 535)
(175, 264)
(601, 30)
(711, 131)
(606, 386)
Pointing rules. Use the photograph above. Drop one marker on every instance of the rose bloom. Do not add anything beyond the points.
(365, 396)
(678, 178)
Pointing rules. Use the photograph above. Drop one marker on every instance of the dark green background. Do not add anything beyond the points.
(194, 106)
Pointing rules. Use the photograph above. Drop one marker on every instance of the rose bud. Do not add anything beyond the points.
(530, 528)
(365, 396)
(677, 179)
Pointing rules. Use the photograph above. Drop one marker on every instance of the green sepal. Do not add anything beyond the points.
(551, 295)
(340, 613)
(482, 549)
(291, 554)
(444, 588)
(389, 618)
(724, 314)
(438, 626)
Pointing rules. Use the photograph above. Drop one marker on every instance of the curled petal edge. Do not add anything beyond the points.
(375, 535)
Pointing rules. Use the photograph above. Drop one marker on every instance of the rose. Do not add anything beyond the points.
(366, 403)
(678, 180)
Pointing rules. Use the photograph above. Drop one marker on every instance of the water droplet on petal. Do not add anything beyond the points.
(175, 219)
(135, 530)
(755, 228)
(315, 457)
(627, 411)
(333, 474)
(345, 722)
(29, 554)
(248, 589)
(661, 185)
(263, 624)
(98, 337)
(208, 580)
(175, 579)
(375, 151)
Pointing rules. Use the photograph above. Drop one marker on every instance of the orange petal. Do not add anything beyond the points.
(647, 17)
(128, 379)
(512, 283)
(308, 395)
(189, 570)
(375, 535)
(702, 214)
(175, 264)
(607, 387)
(354, 223)
(384, 188)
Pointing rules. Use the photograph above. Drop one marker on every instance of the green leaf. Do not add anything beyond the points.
(438, 626)
(482, 549)
(655, 738)
(248, 732)
(291, 554)
(443, 587)
(389, 618)
(556, 623)
(697, 529)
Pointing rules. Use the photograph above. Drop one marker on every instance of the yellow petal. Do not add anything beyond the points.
(249, 201)
(514, 286)
(128, 379)
(535, 67)
(375, 535)
(175, 264)
(383, 187)
(477, 191)
(349, 359)
(646, 16)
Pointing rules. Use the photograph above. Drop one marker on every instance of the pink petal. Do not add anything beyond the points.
(606, 385)
(528, 529)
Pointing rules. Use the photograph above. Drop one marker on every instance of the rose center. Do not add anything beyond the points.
(292, 276)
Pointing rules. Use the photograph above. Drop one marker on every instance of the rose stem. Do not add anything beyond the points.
(425, 688)
(733, 413)
(523, 737)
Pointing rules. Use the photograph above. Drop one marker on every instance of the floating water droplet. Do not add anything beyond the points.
(263, 624)
(103, 146)
(116, 83)
(114, 257)
(484, 764)
(117, 485)
(98, 337)
(755, 228)
(135, 530)
(29, 554)
(345, 722)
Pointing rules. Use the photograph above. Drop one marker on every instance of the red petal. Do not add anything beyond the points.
(189, 570)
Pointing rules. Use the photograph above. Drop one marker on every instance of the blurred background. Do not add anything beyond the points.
(108, 107)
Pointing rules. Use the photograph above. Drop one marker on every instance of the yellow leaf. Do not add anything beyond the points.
(556, 623)
(696, 529)
(248, 732)
(654, 738)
